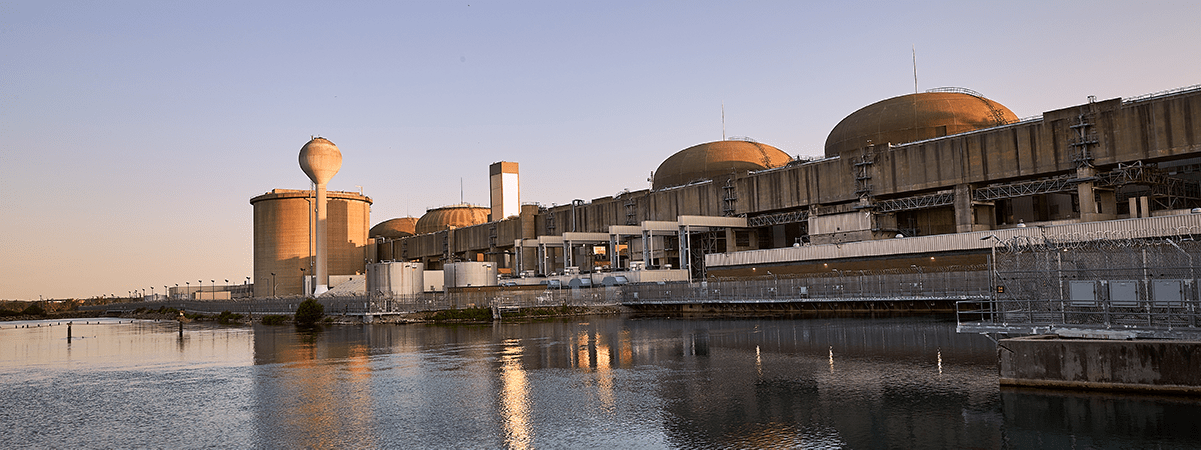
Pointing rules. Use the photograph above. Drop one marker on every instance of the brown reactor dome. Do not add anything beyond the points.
(713, 159)
(915, 117)
(395, 228)
(454, 216)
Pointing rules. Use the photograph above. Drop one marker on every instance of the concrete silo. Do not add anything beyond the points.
(285, 238)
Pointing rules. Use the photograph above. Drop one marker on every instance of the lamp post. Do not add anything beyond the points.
(1191, 274)
(775, 285)
(200, 283)
(273, 284)
(303, 288)
(189, 288)
(921, 284)
(992, 263)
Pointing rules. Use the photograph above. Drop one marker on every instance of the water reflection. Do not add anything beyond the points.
(120, 385)
(656, 382)
(1048, 419)
(313, 387)
(604, 382)
(515, 397)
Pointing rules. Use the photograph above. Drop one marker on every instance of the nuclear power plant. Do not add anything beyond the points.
(945, 162)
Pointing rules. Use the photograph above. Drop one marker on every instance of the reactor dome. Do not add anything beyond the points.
(915, 117)
(395, 228)
(709, 160)
(454, 216)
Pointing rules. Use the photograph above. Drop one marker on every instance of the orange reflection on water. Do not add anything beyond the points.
(604, 377)
(515, 397)
(322, 412)
(583, 356)
(626, 352)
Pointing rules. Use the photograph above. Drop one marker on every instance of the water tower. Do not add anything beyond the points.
(320, 160)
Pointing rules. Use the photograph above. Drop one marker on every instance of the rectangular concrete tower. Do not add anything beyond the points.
(506, 190)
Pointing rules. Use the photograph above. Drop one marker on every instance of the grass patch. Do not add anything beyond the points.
(468, 314)
(275, 319)
(546, 312)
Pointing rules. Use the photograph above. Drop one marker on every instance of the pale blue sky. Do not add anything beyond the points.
(136, 132)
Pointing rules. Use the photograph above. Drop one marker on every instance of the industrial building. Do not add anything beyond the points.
(941, 162)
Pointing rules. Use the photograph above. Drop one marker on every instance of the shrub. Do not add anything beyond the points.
(309, 312)
(274, 319)
(34, 310)
(227, 318)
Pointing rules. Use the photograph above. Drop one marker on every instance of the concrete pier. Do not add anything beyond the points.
(1156, 366)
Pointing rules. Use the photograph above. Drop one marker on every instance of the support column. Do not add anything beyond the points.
(568, 254)
(1086, 195)
(963, 208)
(1107, 203)
(614, 258)
(646, 249)
(1145, 209)
(1133, 206)
(685, 251)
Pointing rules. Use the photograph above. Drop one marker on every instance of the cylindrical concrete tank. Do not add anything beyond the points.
(284, 226)
(395, 279)
(469, 273)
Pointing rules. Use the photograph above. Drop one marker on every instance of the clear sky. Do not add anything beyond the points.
(135, 133)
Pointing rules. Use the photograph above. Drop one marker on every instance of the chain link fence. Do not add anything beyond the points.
(1144, 287)
(379, 304)
(949, 282)
(955, 282)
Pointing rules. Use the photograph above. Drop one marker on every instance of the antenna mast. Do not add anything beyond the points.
(915, 69)
(723, 121)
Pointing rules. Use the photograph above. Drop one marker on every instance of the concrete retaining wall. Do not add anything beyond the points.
(1138, 365)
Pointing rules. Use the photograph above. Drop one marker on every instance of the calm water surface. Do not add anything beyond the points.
(612, 382)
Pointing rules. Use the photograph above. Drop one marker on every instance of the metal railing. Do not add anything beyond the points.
(1153, 95)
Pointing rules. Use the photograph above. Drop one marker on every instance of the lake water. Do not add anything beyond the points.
(595, 382)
